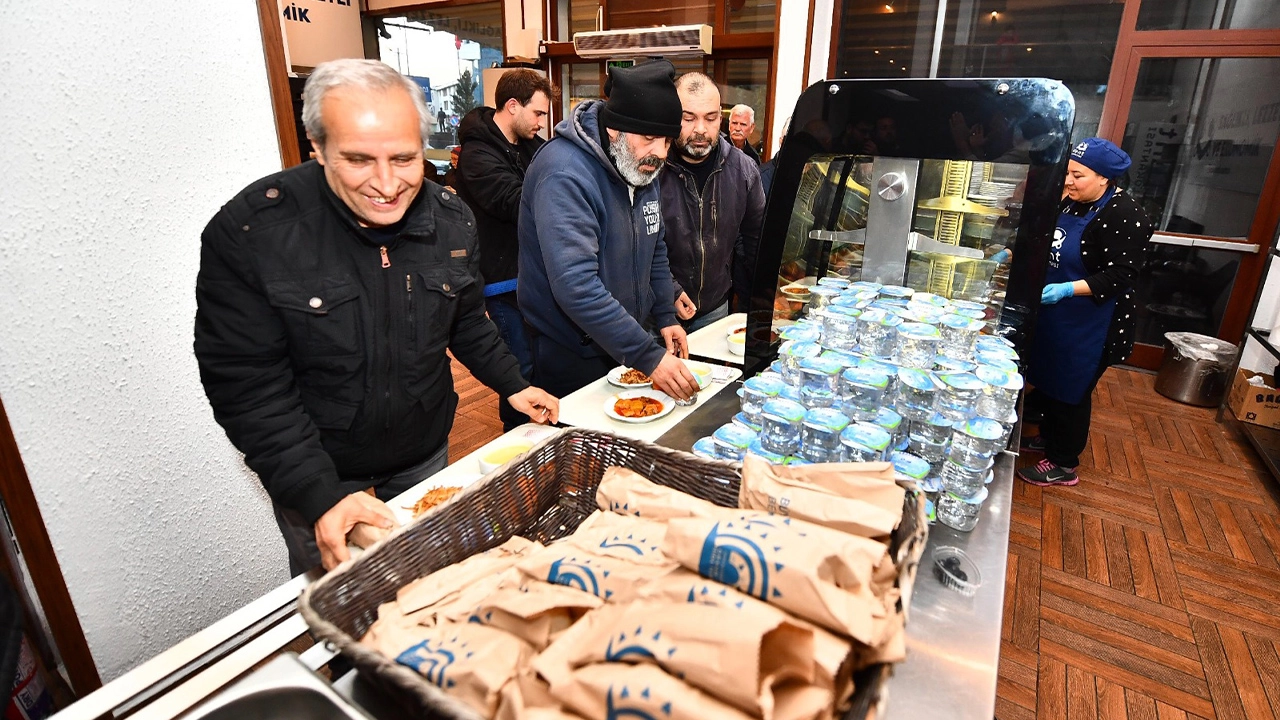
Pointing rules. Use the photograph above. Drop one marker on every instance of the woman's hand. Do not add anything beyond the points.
(1055, 292)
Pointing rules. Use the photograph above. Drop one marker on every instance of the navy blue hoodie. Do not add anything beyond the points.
(593, 264)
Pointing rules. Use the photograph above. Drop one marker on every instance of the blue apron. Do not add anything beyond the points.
(1070, 334)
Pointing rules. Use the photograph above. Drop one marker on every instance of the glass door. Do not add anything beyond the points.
(1201, 124)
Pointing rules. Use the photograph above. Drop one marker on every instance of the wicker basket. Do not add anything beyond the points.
(542, 496)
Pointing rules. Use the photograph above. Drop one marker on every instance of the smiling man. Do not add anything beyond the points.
(593, 263)
(326, 298)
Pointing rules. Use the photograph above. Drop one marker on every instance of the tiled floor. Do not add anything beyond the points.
(1151, 590)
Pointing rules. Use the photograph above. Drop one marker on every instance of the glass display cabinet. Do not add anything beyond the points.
(944, 186)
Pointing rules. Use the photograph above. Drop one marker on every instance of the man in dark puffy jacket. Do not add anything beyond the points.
(713, 206)
(326, 298)
(497, 146)
(593, 265)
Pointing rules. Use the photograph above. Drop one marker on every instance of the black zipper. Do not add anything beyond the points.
(408, 302)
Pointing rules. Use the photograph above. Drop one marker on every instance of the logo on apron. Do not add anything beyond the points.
(1055, 250)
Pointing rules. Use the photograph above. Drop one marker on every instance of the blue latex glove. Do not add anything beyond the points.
(1054, 292)
(1001, 256)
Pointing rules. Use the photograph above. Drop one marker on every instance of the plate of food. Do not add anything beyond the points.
(796, 291)
(639, 406)
(625, 377)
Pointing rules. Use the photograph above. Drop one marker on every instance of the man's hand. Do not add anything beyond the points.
(673, 378)
(333, 526)
(677, 341)
(538, 404)
(685, 309)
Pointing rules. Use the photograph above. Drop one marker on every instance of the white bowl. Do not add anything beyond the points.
(737, 344)
(500, 456)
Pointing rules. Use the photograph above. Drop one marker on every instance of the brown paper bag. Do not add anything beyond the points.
(620, 536)
(531, 610)
(470, 662)
(439, 585)
(625, 492)
(607, 577)
(620, 690)
(819, 574)
(790, 492)
(737, 652)
(524, 695)
(832, 667)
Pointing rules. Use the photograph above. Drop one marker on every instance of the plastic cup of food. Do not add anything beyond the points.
(500, 456)
(737, 344)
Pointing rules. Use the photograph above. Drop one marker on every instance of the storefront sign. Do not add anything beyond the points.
(319, 30)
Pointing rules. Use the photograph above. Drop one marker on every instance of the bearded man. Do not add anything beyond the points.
(593, 261)
(713, 207)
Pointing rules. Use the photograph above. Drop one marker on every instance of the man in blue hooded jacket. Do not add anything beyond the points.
(593, 263)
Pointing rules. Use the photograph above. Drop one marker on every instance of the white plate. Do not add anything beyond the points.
(615, 378)
(668, 405)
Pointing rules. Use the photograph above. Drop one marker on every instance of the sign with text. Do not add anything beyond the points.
(320, 30)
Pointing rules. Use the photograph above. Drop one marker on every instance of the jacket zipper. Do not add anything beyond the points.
(389, 329)
(408, 301)
(386, 260)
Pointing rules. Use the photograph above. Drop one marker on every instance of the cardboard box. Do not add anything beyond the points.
(1255, 403)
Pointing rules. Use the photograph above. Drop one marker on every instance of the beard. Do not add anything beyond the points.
(688, 149)
(629, 165)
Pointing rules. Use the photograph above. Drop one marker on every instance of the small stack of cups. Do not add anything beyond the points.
(974, 444)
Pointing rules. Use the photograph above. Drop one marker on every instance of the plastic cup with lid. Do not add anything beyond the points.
(896, 292)
(959, 336)
(780, 422)
(838, 283)
(917, 390)
(755, 391)
(862, 391)
(773, 458)
(959, 512)
(917, 345)
(819, 382)
(962, 480)
(958, 395)
(746, 422)
(909, 467)
(705, 448)
(999, 393)
(731, 441)
(974, 442)
(891, 421)
(864, 442)
(792, 355)
(928, 436)
(861, 285)
(820, 435)
(820, 296)
(878, 333)
(840, 327)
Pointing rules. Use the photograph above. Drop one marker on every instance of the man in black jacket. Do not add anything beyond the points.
(326, 298)
(713, 207)
(497, 146)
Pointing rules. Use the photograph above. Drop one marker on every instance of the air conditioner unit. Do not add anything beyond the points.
(644, 42)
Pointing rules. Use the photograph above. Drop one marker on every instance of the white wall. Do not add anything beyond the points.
(126, 126)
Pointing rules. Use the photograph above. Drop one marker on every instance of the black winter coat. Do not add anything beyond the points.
(489, 178)
(323, 352)
(1112, 248)
(713, 237)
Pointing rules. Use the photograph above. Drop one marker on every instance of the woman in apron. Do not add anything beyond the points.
(1086, 308)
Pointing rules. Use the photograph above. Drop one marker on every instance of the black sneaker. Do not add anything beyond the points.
(1033, 444)
(1046, 474)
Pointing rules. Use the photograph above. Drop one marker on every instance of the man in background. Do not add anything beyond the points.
(327, 296)
(593, 263)
(742, 122)
(713, 206)
(497, 146)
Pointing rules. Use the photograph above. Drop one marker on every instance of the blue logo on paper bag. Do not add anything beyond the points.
(574, 574)
(734, 556)
(433, 662)
(637, 645)
(640, 705)
(629, 543)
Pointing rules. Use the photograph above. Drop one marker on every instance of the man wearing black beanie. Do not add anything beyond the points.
(593, 261)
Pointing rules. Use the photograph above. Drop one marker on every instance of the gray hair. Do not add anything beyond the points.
(363, 74)
(744, 109)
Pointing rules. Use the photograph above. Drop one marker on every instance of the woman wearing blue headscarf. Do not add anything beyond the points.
(1086, 308)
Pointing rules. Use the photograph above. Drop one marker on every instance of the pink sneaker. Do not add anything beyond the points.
(1046, 474)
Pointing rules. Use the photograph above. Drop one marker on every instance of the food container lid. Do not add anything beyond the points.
(928, 298)
(968, 305)
(939, 420)
(879, 364)
(825, 291)
(867, 435)
(790, 392)
(873, 377)
(931, 484)
(788, 410)
(822, 365)
(995, 341)
(977, 499)
(800, 333)
(956, 571)
(755, 448)
(741, 419)
(844, 357)
(946, 364)
(995, 361)
(866, 285)
(888, 419)
(734, 435)
(917, 379)
(984, 344)
(960, 322)
(895, 306)
(842, 309)
(999, 378)
(879, 316)
(765, 384)
(705, 448)
(867, 294)
(826, 419)
(804, 349)
(961, 381)
(974, 314)
(896, 291)
(776, 367)
(836, 282)
(925, 314)
(918, 331)
(916, 468)
(982, 429)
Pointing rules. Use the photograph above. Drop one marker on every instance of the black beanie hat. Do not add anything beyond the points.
(642, 99)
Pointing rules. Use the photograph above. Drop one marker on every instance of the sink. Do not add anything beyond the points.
(283, 688)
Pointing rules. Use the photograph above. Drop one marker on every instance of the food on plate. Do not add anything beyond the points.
(637, 407)
(634, 377)
(434, 497)
(739, 329)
